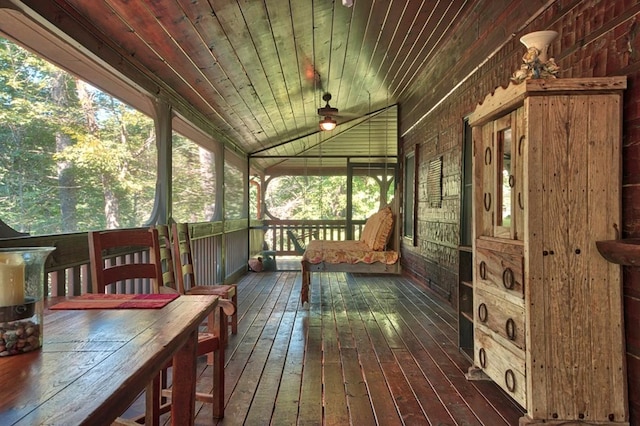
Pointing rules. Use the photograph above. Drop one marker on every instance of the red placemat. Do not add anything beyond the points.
(116, 301)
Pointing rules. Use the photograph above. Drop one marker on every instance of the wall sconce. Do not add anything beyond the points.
(327, 124)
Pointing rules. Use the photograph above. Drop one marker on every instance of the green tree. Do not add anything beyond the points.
(69, 151)
(28, 123)
(323, 197)
(194, 183)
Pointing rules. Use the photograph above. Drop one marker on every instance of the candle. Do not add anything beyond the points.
(11, 279)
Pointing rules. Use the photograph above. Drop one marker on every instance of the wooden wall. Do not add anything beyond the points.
(596, 38)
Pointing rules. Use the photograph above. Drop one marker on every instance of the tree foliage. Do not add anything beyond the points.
(194, 184)
(322, 197)
(73, 159)
(63, 141)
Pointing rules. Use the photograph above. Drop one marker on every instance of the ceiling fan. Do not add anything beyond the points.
(328, 112)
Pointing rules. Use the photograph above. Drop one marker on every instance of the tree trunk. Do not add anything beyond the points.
(67, 188)
(207, 181)
(111, 204)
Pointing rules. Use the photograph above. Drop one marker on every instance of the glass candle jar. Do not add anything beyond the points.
(21, 298)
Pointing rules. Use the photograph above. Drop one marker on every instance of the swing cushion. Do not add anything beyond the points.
(377, 229)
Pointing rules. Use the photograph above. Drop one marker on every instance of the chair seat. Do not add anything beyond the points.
(228, 293)
(219, 290)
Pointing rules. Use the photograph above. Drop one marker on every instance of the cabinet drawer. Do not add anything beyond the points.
(500, 315)
(504, 365)
(501, 269)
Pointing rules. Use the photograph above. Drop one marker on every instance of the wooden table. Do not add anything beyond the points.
(94, 364)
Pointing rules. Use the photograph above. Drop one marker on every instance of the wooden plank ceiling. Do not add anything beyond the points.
(257, 69)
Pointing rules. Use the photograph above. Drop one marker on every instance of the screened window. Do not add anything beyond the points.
(194, 181)
(255, 203)
(307, 197)
(235, 204)
(72, 158)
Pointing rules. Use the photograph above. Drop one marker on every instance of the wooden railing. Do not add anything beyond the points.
(68, 271)
(277, 239)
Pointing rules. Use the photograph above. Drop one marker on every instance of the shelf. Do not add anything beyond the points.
(467, 315)
(468, 352)
(623, 252)
(467, 283)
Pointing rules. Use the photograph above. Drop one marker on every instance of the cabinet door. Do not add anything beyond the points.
(484, 179)
(503, 184)
(510, 140)
(498, 173)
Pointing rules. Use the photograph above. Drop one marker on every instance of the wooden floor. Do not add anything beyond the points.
(367, 350)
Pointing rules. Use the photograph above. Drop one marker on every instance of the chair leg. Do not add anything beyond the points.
(218, 383)
(212, 321)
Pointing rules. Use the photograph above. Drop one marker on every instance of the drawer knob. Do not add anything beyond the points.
(482, 357)
(483, 270)
(510, 328)
(482, 312)
(510, 380)
(507, 279)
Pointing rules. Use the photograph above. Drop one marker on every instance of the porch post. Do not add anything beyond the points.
(162, 209)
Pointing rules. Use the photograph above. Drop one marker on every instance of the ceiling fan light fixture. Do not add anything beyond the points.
(327, 124)
(347, 3)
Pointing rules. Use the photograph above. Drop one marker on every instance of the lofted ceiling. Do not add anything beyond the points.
(256, 70)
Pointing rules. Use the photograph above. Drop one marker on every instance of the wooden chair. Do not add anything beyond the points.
(104, 273)
(298, 240)
(107, 274)
(187, 282)
(209, 343)
(168, 261)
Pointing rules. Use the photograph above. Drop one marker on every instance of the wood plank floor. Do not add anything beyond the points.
(367, 350)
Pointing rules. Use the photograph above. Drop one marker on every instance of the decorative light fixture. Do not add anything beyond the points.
(327, 111)
(536, 63)
(327, 124)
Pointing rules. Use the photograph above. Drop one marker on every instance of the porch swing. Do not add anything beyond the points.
(377, 250)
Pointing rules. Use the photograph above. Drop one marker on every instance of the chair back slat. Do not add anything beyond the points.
(298, 243)
(166, 258)
(128, 271)
(184, 260)
(105, 273)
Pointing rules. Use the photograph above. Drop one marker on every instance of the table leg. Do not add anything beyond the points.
(184, 383)
(152, 402)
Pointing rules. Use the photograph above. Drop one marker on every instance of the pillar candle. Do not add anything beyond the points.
(11, 279)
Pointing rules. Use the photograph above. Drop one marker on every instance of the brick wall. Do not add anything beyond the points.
(596, 38)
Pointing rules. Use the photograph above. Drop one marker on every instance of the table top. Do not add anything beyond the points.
(94, 363)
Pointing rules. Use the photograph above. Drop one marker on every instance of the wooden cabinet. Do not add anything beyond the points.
(547, 308)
